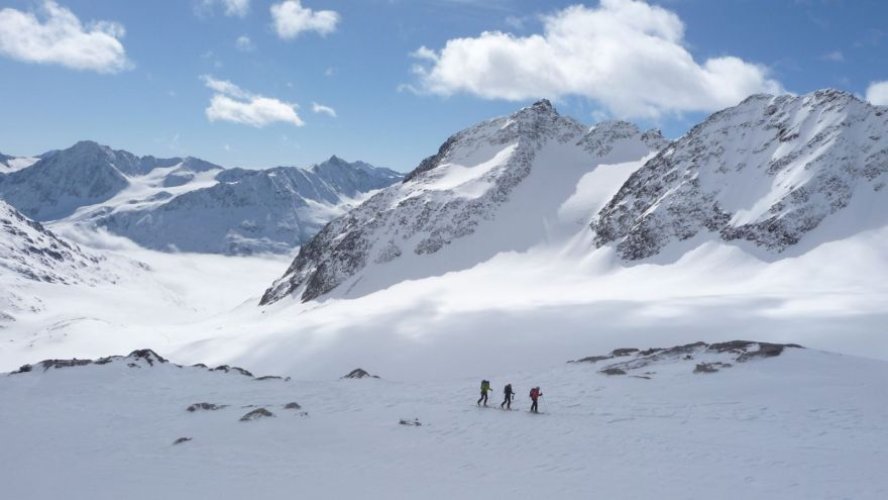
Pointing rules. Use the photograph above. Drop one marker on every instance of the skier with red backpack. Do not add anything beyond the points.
(535, 394)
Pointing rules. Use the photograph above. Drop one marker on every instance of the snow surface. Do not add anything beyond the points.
(806, 424)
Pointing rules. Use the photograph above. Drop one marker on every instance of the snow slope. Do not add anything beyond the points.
(495, 187)
(14, 163)
(804, 424)
(770, 171)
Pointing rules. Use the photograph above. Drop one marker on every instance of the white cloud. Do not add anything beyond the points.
(231, 103)
(877, 93)
(320, 108)
(290, 19)
(834, 56)
(232, 8)
(625, 54)
(244, 44)
(54, 35)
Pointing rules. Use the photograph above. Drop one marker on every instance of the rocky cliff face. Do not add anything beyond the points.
(767, 171)
(487, 189)
(30, 251)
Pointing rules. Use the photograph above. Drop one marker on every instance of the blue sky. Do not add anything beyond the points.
(169, 78)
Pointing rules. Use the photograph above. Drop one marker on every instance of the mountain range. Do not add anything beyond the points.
(186, 204)
(774, 175)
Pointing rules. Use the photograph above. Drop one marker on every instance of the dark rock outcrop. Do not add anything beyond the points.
(256, 414)
(359, 373)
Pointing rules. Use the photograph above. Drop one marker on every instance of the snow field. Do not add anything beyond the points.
(802, 425)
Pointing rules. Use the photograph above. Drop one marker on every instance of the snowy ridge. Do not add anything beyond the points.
(140, 358)
(491, 188)
(769, 171)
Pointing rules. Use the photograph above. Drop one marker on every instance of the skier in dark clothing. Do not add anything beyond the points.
(485, 388)
(507, 403)
(535, 394)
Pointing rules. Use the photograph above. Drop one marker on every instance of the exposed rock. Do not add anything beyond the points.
(710, 367)
(613, 371)
(205, 406)
(292, 406)
(226, 369)
(624, 351)
(736, 351)
(256, 414)
(359, 373)
(591, 359)
(181, 440)
(410, 423)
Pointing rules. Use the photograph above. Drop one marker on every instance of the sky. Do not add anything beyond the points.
(262, 83)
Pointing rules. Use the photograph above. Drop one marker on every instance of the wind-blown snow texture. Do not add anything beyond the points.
(767, 171)
(484, 192)
(188, 204)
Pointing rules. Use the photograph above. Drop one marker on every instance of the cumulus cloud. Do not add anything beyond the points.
(231, 103)
(321, 109)
(244, 44)
(54, 35)
(231, 8)
(290, 19)
(877, 93)
(625, 54)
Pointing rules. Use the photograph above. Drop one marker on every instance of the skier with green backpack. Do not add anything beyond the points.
(485, 388)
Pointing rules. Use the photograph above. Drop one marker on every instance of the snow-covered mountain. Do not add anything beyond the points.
(85, 174)
(746, 420)
(14, 163)
(188, 204)
(31, 256)
(495, 187)
(769, 171)
(243, 211)
(30, 251)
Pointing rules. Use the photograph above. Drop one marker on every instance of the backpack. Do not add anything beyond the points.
(534, 393)
(485, 385)
(508, 389)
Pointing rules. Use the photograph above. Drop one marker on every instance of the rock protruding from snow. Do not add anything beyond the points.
(490, 188)
(256, 415)
(705, 358)
(359, 373)
(30, 251)
(768, 171)
(205, 407)
(140, 358)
